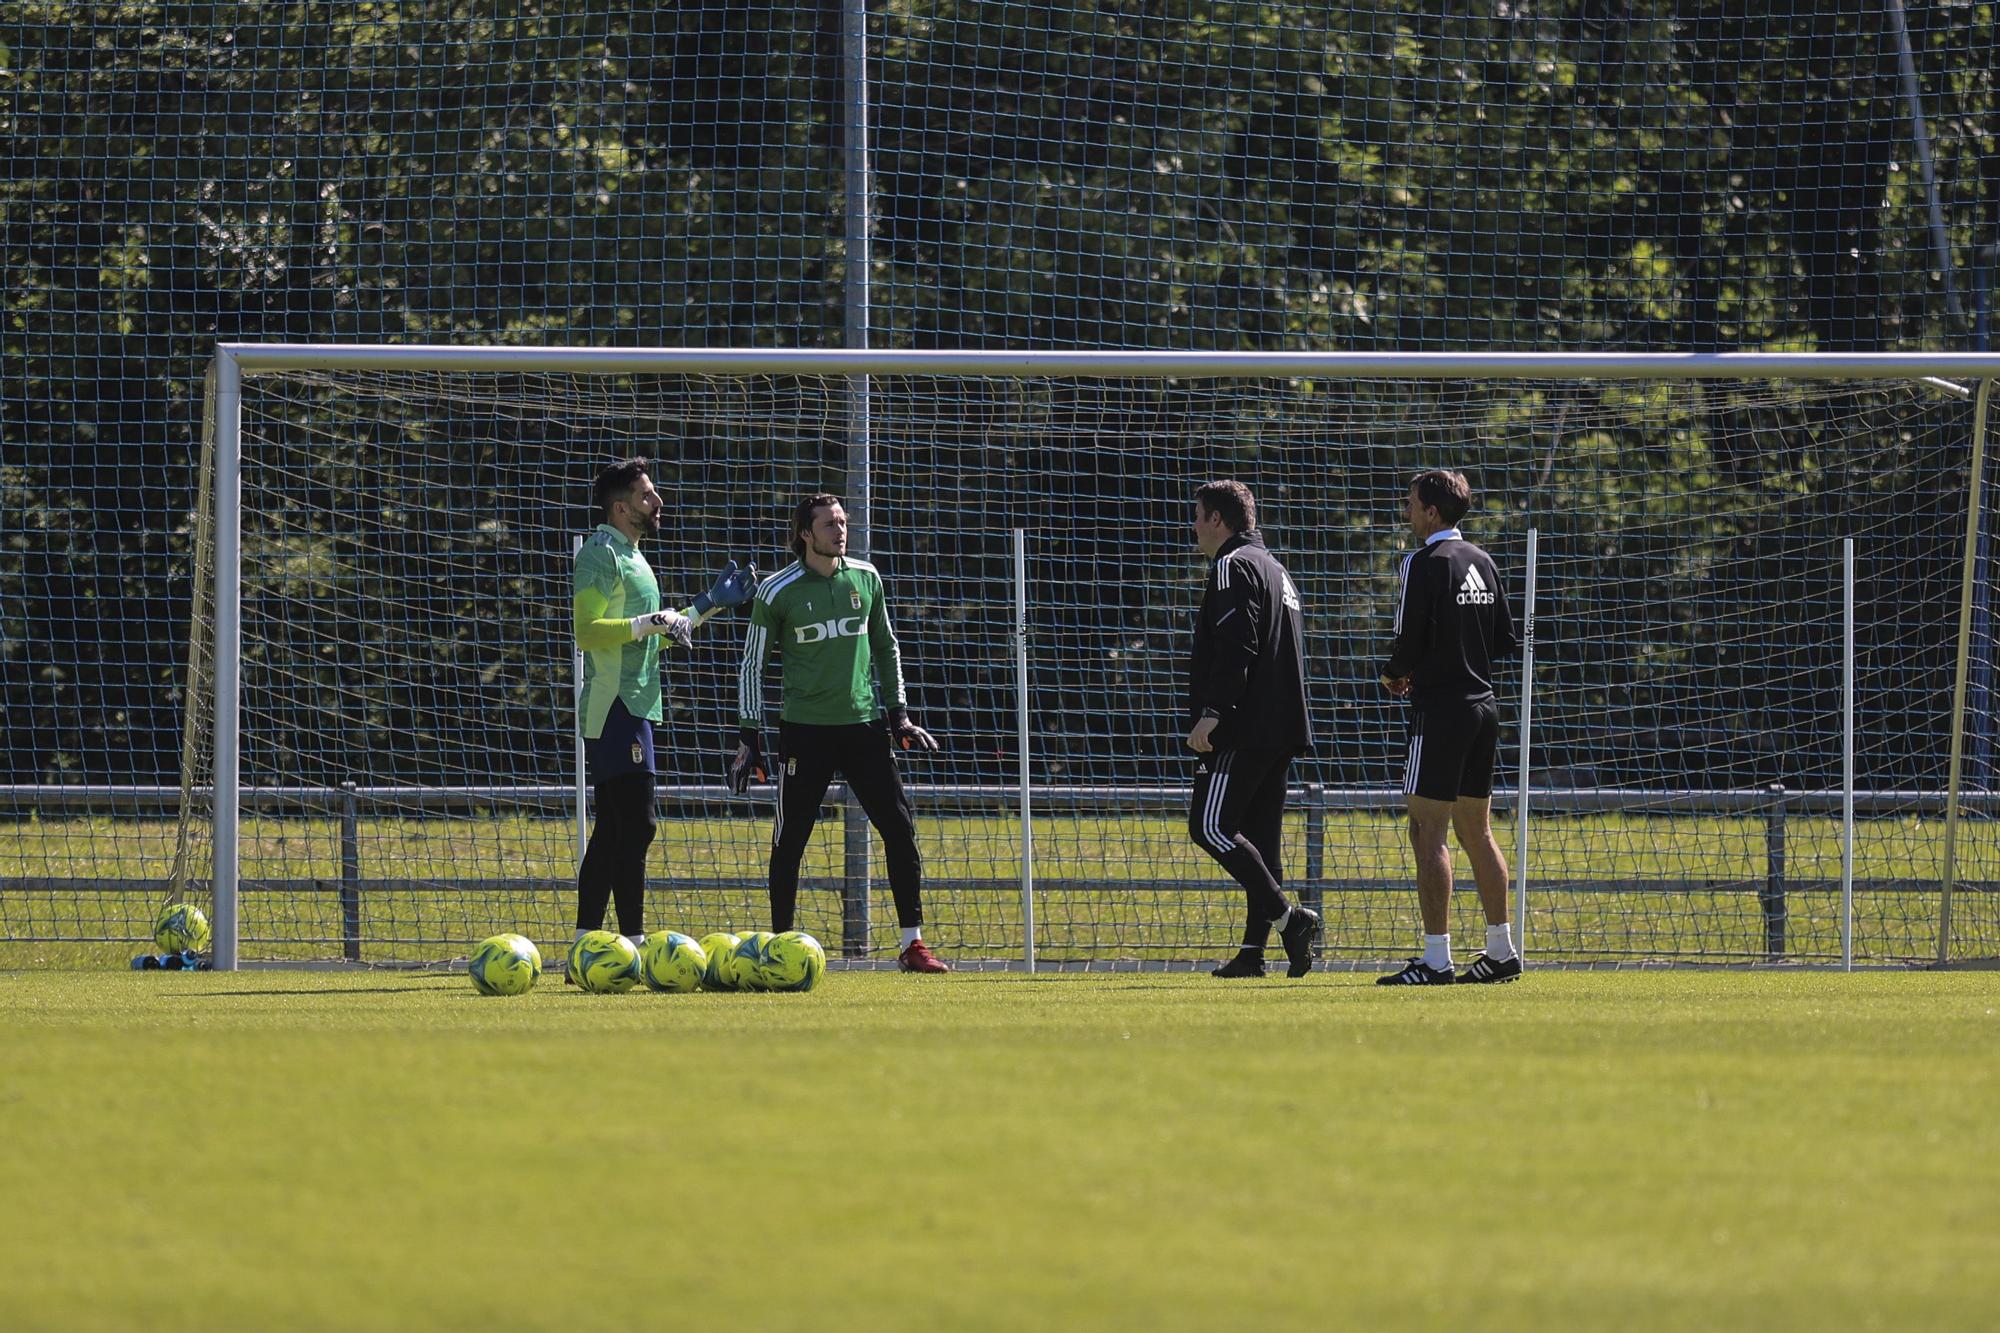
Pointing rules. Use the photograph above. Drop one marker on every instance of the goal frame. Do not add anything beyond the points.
(1966, 374)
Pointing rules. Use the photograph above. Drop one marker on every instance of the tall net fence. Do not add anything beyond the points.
(1097, 174)
(407, 727)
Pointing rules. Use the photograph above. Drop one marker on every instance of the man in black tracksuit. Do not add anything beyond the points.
(1452, 628)
(1247, 706)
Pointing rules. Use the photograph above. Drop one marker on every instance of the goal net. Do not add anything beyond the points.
(401, 719)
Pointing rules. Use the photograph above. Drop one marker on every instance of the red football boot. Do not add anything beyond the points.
(919, 958)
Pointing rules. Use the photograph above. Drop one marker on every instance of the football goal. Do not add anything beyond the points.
(1754, 722)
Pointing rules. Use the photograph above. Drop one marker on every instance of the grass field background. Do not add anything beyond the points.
(1637, 1150)
(1129, 888)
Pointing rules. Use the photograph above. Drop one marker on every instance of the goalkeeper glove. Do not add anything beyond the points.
(748, 765)
(908, 733)
(671, 623)
(734, 586)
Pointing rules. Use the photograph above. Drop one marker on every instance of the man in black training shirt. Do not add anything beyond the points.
(1247, 707)
(1452, 626)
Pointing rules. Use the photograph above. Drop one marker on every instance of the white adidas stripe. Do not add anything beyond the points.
(779, 581)
(778, 824)
(750, 676)
(1402, 590)
(757, 642)
(1211, 811)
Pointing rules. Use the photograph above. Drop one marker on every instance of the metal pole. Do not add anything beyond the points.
(854, 886)
(1312, 894)
(350, 873)
(1521, 763)
(1953, 784)
(1979, 686)
(265, 358)
(1847, 756)
(860, 197)
(858, 292)
(228, 650)
(1913, 100)
(582, 780)
(1021, 739)
(1771, 898)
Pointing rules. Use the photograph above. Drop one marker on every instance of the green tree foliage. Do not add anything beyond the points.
(1131, 173)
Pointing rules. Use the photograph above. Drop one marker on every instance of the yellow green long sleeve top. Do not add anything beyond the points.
(614, 583)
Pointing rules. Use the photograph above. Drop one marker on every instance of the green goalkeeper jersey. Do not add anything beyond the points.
(613, 584)
(829, 633)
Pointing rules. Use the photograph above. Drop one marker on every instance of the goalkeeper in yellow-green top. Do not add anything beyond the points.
(619, 626)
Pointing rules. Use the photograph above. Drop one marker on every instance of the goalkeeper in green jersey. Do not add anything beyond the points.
(825, 617)
(619, 627)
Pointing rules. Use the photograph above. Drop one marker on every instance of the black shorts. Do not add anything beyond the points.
(1452, 749)
(625, 747)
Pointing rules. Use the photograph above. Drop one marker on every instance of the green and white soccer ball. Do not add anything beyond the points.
(505, 965)
(603, 962)
(722, 972)
(793, 961)
(180, 928)
(673, 962)
(750, 959)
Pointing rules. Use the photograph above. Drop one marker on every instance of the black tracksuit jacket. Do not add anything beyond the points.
(1249, 663)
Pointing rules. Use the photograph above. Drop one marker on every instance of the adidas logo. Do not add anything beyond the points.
(1474, 592)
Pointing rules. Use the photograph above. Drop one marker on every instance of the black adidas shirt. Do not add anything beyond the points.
(1452, 623)
(1249, 663)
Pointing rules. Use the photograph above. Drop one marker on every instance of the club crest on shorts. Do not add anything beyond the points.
(791, 768)
(638, 753)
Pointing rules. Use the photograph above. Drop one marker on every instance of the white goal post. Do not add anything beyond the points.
(1710, 714)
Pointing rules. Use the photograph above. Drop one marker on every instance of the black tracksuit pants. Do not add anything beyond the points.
(809, 757)
(614, 861)
(1237, 816)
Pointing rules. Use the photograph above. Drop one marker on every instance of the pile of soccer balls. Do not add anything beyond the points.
(603, 962)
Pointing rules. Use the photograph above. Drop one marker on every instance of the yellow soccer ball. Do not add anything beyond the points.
(181, 928)
(505, 965)
(672, 962)
(750, 959)
(793, 961)
(721, 972)
(603, 962)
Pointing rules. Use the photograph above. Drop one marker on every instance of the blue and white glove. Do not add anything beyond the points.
(734, 586)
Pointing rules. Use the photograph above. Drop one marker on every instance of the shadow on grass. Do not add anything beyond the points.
(324, 994)
(1173, 981)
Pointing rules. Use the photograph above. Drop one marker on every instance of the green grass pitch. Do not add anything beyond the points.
(989, 1151)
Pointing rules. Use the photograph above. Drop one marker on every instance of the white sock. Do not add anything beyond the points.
(579, 935)
(1500, 942)
(911, 934)
(1437, 951)
(1279, 924)
(636, 941)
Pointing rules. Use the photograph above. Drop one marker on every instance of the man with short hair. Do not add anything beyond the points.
(1247, 706)
(618, 623)
(1452, 627)
(826, 617)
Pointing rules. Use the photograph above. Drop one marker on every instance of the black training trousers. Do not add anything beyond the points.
(614, 862)
(1237, 816)
(809, 756)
